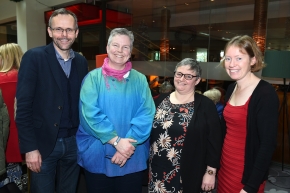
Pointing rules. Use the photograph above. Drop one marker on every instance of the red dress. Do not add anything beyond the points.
(233, 152)
(8, 81)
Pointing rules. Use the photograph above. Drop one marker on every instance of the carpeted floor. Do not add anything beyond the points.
(278, 180)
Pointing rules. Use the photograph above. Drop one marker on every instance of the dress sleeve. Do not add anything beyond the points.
(92, 119)
(141, 123)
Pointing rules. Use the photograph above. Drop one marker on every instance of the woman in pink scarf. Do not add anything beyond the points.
(116, 113)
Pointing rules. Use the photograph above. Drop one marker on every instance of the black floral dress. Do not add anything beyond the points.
(167, 137)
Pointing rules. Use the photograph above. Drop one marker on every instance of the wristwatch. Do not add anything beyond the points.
(210, 172)
(117, 141)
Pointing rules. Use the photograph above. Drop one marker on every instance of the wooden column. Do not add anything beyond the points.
(260, 23)
(164, 44)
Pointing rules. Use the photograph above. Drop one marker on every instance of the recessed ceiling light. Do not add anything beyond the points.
(186, 4)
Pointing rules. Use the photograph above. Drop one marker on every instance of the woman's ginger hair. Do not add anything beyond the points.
(247, 45)
(11, 55)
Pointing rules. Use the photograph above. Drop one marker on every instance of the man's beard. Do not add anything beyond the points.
(59, 45)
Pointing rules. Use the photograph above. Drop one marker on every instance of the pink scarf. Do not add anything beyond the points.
(118, 74)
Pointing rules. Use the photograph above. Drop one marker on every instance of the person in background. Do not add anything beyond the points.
(116, 113)
(215, 96)
(166, 87)
(186, 137)
(153, 85)
(47, 114)
(250, 119)
(11, 55)
(6, 185)
(4, 132)
(198, 91)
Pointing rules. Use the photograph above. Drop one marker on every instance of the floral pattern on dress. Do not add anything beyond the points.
(167, 136)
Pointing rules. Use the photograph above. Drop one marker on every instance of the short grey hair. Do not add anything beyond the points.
(193, 65)
(213, 94)
(166, 87)
(63, 11)
(121, 31)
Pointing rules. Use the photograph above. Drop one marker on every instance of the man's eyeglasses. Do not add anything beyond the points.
(186, 76)
(59, 30)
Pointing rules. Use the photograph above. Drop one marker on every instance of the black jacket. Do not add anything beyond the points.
(40, 98)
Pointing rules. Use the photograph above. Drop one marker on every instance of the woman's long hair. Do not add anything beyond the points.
(11, 55)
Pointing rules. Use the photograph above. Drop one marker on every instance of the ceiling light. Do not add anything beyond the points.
(203, 33)
(186, 4)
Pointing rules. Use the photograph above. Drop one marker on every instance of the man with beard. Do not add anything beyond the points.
(47, 116)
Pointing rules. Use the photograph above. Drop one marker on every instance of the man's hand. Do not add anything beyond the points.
(33, 160)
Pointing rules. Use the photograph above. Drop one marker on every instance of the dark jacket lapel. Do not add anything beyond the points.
(53, 64)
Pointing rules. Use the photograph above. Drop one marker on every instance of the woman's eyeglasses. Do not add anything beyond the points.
(186, 76)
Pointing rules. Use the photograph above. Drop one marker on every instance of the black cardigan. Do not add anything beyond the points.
(262, 126)
(202, 144)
